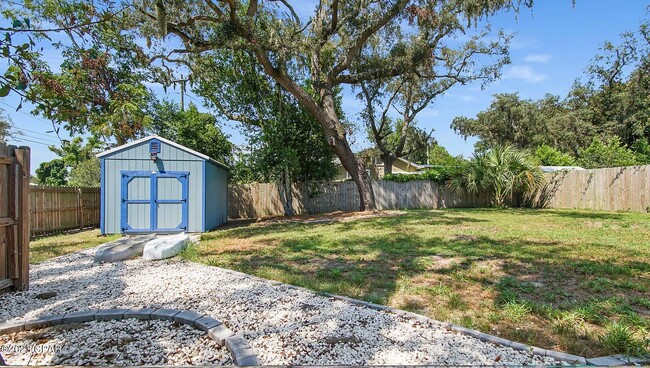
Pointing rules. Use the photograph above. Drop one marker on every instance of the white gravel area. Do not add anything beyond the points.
(126, 342)
(284, 326)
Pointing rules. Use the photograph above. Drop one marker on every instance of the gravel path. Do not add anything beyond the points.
(127, 342)
(284, 326)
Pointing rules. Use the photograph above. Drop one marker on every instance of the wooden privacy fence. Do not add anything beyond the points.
(263, 199)
(612, 189)
(55, 209)
(14, 218)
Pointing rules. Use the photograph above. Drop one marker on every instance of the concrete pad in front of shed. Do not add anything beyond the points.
(123, 248)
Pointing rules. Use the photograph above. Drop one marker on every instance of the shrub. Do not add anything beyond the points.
(501, 171)
(641, 150)
(549, 156)
(437, 174)
(608, 153)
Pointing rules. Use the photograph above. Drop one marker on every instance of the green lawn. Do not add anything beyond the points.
(567, 280)
(53, 246)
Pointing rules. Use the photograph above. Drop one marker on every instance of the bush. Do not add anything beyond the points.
(608, 153)
(641, 150)
(549, 156)
(437, 174)
(86, 174)
(501, 171)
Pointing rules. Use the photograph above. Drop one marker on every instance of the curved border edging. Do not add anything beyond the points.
(241, 352)
(558, 355)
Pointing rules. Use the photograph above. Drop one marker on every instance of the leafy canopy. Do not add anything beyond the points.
(549, 156)
(606, 153)
(52, 173)
(191, 128)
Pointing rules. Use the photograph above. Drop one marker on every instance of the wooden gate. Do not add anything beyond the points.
(14, 218)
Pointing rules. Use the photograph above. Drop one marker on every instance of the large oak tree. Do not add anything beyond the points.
(344, 42)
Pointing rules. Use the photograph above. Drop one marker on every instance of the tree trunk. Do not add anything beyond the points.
(357, 171)
(388, 160)
(326, 115)
(286, 194)
(336, 137)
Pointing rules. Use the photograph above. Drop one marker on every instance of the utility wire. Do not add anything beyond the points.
(28, 140)
(38, 138)
(32, 131)
(24, 113)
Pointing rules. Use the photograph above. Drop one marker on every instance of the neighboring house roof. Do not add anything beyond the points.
(164, 140)
(550, 169)
(411, 163)
(337, 162)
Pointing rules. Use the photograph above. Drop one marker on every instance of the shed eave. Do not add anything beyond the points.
(166, 141)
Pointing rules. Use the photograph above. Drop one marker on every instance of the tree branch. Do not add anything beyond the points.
(64, 29)
(252, 8)
(354, 51)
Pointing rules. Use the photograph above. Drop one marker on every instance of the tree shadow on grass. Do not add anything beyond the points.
(580, 215)
(533, 272)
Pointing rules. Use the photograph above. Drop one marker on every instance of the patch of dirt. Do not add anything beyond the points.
(594, 224)
(490, 269)
(443, 263)
(465, 238)
(228, 245)
(410, 302)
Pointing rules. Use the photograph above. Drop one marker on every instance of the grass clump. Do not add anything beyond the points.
(622, 339)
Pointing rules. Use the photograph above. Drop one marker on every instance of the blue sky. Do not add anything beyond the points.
(554, 43)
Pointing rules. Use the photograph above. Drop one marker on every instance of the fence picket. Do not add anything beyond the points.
(612, 189)
(54, 209)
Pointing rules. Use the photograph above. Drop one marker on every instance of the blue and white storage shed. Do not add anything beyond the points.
(154, 185)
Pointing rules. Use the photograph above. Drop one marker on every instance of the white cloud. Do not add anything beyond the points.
(467, 98)
(525, 73)
(538, 58)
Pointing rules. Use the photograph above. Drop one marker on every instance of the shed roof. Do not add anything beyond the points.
(164, 140)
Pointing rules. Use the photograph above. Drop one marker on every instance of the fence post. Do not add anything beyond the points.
(23, 159)
(80, 205)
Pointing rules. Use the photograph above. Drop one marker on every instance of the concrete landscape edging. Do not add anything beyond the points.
(558, 355)
(240, 351)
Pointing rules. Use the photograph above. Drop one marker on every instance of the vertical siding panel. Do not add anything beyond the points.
(137, 158)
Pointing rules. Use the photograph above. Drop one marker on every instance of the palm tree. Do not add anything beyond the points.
(502, 171)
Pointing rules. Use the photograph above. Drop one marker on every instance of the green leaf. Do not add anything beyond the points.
(4, 90)
(17, 23)
(21, 86)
